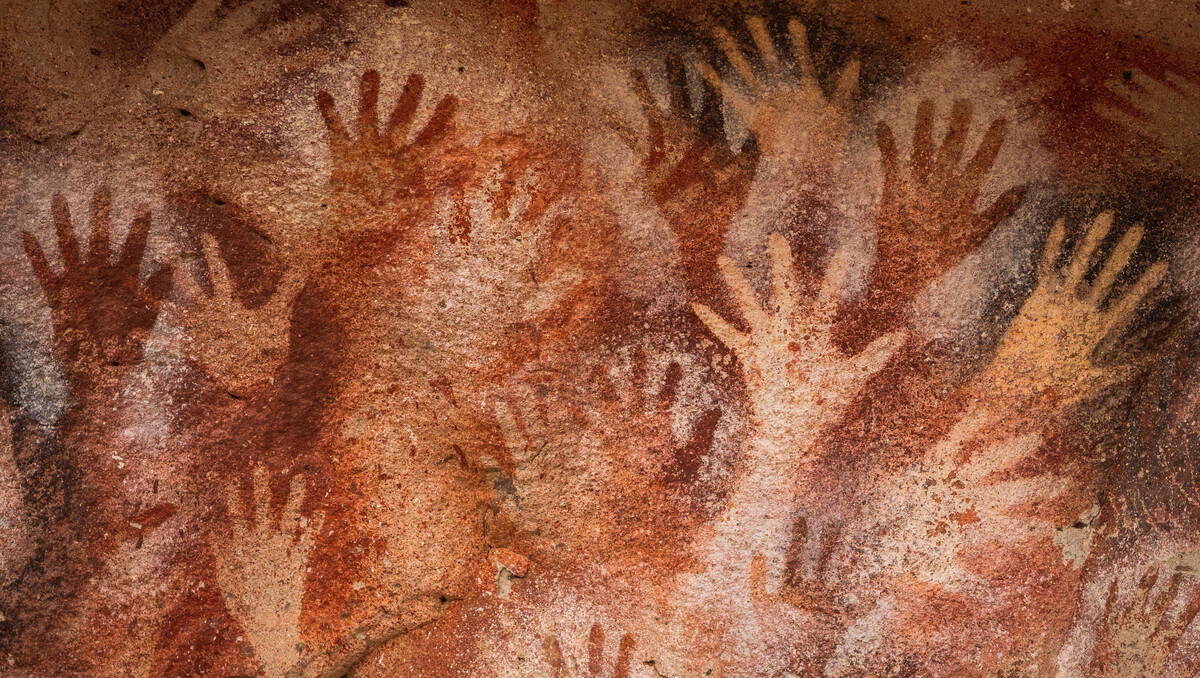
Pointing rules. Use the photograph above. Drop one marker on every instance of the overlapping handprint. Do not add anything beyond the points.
(1049, 349)
(798, 380)
(382, 181)
(1165, 111)
(689, 169)
(792, 119)
(102, 311)
(261, 568)
(1138, 636)
(927, 217)
(241, 348)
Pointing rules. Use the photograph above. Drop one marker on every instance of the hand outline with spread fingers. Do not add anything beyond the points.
(1165, 115)
(797, 379)
(500, 241)
(208, 49)
(261, 570)
(241, 348)
(1138, 639)
(927, 218)
(381, 180)
(101, 310)
(1049, 346)
(791, 118)
(687, 165)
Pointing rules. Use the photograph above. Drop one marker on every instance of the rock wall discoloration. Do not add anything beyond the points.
(608, 339)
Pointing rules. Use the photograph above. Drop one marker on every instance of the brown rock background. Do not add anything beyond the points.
(597, 338)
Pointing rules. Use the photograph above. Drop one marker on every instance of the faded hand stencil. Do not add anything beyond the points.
(598, 339)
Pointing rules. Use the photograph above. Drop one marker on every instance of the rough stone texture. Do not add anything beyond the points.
(599, 338)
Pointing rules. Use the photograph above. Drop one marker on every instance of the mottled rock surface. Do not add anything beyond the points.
(604, 338)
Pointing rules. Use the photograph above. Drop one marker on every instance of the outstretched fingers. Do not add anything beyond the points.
(1083, 256)
(1052, 251)
(1182, 84)
(654, 116)
(402, 114)
(624, 656)
(733, 339)
(441, 123)
(712, 113)
(1184, 620)
(1004, 207)
(135, 243)
(514, 439)
(922, 146)
(101, 219)
(308, 535)
(368, 107)
(262, 498)
(737, 58)
(1130, 122)
(233, 509)
(1116, 263)
(596, 650)
(834, 284)
(743, 294)
(846, 88)
(950, 154)
(735, 98)
(291, 510)
(68, 246)
(877, 354)
(800, 52)
(37, 259)
(1158, 607)
(889, 154)
(288, 289)
(156, 287)
(765, 45)
(985, 156)
(1138, 99)
(1122, 311)
(680, 100)
(338, 137)
(781, 273)
(624, 130)
(217, 271)
(1159, 91)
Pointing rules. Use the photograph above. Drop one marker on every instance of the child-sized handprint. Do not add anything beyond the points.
(927, 218)
(101, 310)
(561, 668)
(241, 348)
(261, 569)
(1138, 638)
(1166, 114)
(789, 115)
(798, 380)
(381, 180)
(1049, 346)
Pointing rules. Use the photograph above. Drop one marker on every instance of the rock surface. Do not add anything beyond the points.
(603, 338)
